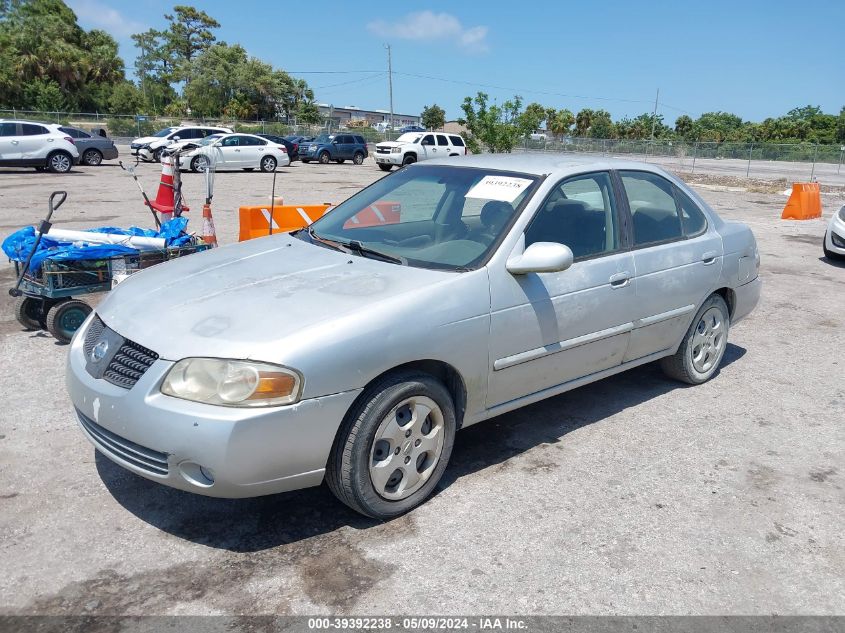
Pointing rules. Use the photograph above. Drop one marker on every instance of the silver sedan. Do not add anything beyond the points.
(444, 294)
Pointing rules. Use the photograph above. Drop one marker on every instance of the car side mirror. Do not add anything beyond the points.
(177, 138)
(541, 257)
(334, 142)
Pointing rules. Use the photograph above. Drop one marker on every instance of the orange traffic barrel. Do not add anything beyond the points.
(804, 203)
(263, 220)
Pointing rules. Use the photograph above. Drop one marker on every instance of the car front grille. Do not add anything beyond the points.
(146, 459)
(382, 150)
(128, 364)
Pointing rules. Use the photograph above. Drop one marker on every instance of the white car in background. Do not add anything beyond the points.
(834, 237)
(413, 147)
(39, 145)
(235, 151)
(149, 148)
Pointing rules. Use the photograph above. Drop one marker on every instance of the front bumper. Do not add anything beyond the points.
(247, 452)
(144, 153)
(834, 240)
(388, 159)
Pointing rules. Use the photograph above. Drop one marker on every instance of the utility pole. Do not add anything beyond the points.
(654, 115)
(390, 83)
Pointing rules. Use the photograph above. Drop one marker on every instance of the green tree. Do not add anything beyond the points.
(562, 122)
(492, 126)
(529, 120)
(43, 49)
(601, 125)
(583, 122)
(126, 98)
(683, 126)
(433, 117)
(308, 113)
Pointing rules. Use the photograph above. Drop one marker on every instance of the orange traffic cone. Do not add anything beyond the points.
(209, 236)
(164, 202)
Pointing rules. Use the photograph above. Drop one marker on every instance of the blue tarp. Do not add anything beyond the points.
(19, 244)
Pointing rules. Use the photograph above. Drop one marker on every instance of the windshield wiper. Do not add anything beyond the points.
(354, 247)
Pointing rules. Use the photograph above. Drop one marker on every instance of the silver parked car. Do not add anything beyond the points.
(444, 294)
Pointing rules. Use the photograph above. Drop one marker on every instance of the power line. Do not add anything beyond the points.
(352, 81)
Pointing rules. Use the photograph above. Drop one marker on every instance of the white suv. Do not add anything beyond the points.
(415, 146)
(149, 148)
(39, 145)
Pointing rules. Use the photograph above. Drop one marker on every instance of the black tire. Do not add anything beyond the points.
(28, 313)
(384, 167)
(830, 254)
(157, 155)
(92, 157)
(64, 319)
(358, 158)
(198, 163)
(268, 163)
(681, 365)
(340, 161)
(324, 158)
(409, 159)
(59, 162)
(348, 473)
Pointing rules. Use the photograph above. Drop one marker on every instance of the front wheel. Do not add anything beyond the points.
(64, 319)
(703, 347)
(268, 163)
(410, 159)
(157, 156)
(199, 163)
(393, 446)
(358, 158)
(324, 158)
(384, 167)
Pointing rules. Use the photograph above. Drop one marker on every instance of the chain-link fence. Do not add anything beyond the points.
(769, 161)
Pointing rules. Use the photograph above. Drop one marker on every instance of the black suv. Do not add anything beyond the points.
(334, 147)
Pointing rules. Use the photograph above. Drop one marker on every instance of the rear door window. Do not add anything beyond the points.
(442, 140)
(8, 129)
(654, 211)
(30, 129)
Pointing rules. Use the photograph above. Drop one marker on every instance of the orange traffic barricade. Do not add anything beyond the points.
(263, 220)
(377, 214)
(804, 203)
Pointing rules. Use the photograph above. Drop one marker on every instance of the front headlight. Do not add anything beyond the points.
(842, 214)
(395, 150)
(312, 147)
(231, 383)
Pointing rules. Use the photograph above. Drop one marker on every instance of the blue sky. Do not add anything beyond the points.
(753, 58)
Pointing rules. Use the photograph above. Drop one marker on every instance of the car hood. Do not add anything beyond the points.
(237, 301)
(147, 139)
(390, 144)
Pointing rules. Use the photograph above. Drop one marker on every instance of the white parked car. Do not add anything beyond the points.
(416, 146)
(149, 148)
(39, 145)
(834, 238)
(235, 151)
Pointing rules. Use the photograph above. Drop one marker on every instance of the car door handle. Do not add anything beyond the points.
(17, 142)
(620, 280)
(709, 257)
(237, 150)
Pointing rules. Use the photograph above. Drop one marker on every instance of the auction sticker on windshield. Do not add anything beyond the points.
(502, 188)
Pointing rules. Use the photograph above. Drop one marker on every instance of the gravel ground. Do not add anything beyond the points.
(634, 495)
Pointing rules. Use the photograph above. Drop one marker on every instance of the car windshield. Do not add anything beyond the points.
(165, 131)
(208, 140)
(409, 138)
(324, 138)
(435, 216)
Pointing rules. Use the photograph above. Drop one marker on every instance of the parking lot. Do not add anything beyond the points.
(634, 495)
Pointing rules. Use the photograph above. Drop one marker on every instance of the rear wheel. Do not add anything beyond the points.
(393, 446)
(268, 163)
(92, 157)
(324, 158)
(358, 158)
(28, 313)
(703, 347)
(59, 162)
(64, 318)
(384, 167)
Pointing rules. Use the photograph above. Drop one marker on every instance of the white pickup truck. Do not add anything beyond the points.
(415, 146)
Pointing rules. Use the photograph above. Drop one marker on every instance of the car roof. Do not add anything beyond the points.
(546, 163)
